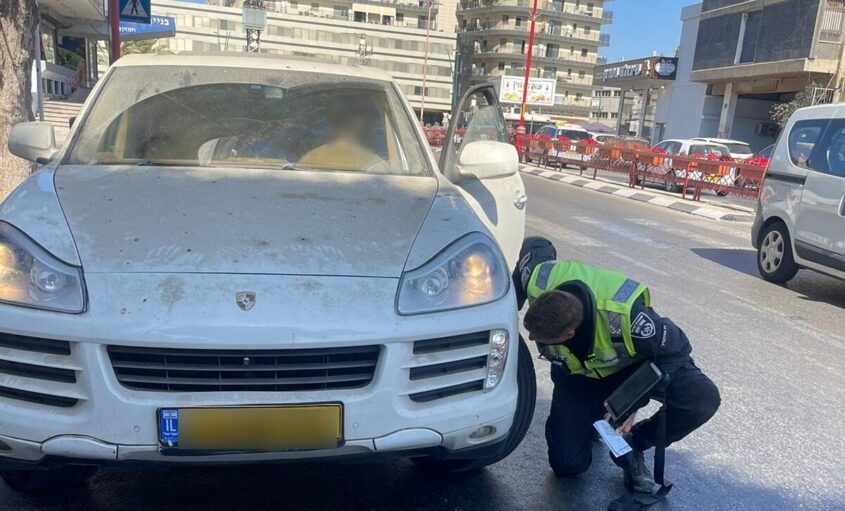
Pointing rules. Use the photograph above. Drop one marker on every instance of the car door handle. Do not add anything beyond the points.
(520, 201)
(842, 206)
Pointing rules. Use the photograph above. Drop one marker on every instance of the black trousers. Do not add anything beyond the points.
(691, 400)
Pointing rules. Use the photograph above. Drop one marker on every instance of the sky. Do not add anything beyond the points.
(642, 26)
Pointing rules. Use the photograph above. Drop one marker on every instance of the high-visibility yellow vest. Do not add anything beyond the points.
(615, 295)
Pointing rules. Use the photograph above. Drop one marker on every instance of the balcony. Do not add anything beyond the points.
(604, 40)
(537, 57)
(544, 33)
(420, 7)
(544, 8)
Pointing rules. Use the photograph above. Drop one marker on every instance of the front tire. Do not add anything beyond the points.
(527, 398)
(774, 254)
(47, 481)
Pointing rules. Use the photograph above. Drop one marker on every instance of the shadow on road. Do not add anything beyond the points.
(737, 259)
(808, 284)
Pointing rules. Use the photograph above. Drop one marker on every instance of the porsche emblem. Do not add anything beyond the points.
(245, 300)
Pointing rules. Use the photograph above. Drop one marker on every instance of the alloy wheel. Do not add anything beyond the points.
(771, 252)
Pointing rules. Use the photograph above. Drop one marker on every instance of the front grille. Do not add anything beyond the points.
(187, 370)
(40, 371)
(448, 366)
(20, 342)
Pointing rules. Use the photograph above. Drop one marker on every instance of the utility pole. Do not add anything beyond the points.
(521, 129)
(114, 25)
(425, 61)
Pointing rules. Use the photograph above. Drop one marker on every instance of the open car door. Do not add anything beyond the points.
(485, 167)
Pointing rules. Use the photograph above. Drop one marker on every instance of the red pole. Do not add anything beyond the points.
(114, 23)
(521, 129)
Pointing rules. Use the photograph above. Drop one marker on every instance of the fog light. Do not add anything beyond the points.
(497, 358)
(482, 432)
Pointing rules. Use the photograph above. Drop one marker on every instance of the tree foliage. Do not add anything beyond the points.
(17, 44)
(781, 112)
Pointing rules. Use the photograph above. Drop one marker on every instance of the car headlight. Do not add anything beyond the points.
(32, 277)
(470, 271)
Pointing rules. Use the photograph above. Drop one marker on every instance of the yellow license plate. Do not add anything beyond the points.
(252, 428)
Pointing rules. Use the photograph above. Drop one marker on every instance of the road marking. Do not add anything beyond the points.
(554, 230)
(638, 263)
(620, 231)
(684, 233)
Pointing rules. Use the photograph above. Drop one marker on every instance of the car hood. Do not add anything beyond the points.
(221, 220)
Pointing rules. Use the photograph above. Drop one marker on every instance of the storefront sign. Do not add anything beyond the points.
(651, 68)
(541, 91)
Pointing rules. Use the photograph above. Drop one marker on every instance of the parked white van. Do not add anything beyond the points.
(800, 220)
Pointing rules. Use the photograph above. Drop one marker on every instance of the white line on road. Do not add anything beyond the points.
(556, 231)
(620, 231)
(684, 233)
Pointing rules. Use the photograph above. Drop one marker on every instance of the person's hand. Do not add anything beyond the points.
(626, 426)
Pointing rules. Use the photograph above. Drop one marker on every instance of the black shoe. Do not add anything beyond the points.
(637, 476)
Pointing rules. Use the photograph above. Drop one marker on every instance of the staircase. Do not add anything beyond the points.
(59, 112)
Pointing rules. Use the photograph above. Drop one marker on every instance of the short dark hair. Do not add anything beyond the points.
(553, 314)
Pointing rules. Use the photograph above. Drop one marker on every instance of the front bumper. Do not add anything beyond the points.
(110, 422)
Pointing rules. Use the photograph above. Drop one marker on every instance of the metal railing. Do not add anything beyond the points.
(833, 22)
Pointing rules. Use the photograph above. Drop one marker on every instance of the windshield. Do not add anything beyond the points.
(241, 117)
(738, 148)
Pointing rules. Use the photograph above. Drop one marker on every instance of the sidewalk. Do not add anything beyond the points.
(727, 212)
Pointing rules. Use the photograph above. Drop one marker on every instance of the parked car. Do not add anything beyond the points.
(606, 138)
(800, 220)
(691, 147)
(243, 259)
(553, 132)
(739, 150)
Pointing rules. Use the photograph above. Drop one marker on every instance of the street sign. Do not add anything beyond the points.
(137, 11)
(159, 26)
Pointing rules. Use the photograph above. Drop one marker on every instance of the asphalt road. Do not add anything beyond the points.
(775, 352)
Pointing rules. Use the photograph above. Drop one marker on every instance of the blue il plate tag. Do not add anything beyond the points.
(169, 427)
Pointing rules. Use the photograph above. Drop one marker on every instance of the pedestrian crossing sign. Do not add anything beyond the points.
(137, 11)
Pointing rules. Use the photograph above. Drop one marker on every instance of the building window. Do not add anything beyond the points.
(581, 75)
(506, 19)
(501, 66)
(617, 93)
(341, 12)
(360, 16)
(522, 47)
(518, 21)
(400, 18)
(587, 29)
(613, 115)
(569, 73)
(552, 51)
(590, 6)
(419, 90)
(749, 38)
(579, 96)
(583, 52)
(315, 6)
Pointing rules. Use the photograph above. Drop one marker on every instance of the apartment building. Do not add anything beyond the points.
(493, 40)
(388, 34)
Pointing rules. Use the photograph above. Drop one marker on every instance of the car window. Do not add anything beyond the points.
(739, 148)
(802, 140)
(828, 154)
(239, 117)
(766, 152)
(573, 134)
(702, 149)
(720, 151)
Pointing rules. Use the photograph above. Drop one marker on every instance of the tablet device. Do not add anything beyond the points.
(633, 394)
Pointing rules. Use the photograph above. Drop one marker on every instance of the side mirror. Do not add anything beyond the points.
(486, 159)
(33, 141)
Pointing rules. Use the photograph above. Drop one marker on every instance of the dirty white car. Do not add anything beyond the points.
(242, 259)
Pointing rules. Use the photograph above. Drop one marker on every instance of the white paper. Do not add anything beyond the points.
(613, 440)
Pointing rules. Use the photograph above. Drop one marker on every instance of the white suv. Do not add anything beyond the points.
(800, 220)
(250, 258)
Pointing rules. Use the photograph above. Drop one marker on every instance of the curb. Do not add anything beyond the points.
(684, 206)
